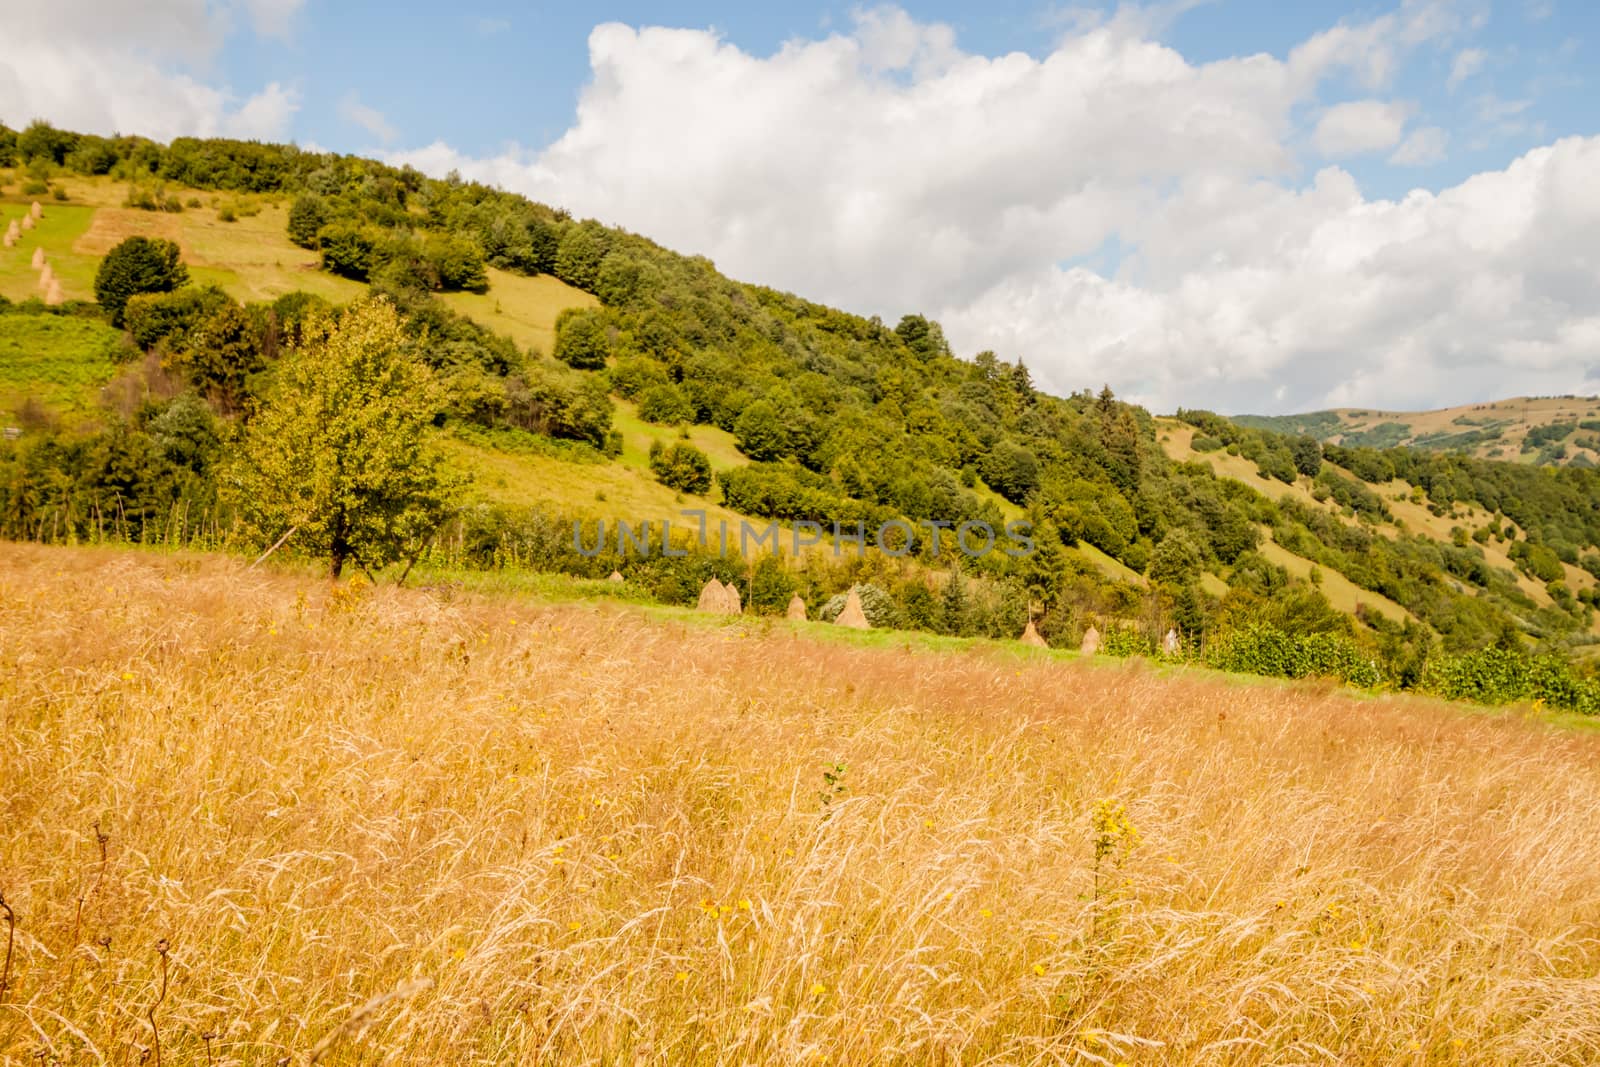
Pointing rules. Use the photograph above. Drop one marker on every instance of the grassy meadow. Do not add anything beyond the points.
(254, 819)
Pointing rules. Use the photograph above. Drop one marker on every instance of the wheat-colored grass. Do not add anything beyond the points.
(428, 827)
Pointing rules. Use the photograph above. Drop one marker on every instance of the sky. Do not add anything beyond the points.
(1243, 205)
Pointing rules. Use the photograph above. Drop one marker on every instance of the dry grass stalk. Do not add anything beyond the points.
(599, 836)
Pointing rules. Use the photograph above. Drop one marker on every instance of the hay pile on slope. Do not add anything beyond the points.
(27, 222)
(851, 615)
(1091, 641)
(37, 263)
(714, 598)
(35, 211)
(1030, 636)
(731, 602)
(13, 234)
(797, 609)
(616, 576)
(46, 277)
(53, 294)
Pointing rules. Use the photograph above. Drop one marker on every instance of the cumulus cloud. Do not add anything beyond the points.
(885, 170)
(108, 67)
(1358, 127)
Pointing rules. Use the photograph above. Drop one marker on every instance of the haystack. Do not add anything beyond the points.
(1091, 641)
(1030, 636)
(616, 576)
(797, 609)
(54, 295)
(851, 614)
(38, 259)
(730, 595)
(35, 211)
(13, 233)
(713, 597)
(27, 222)
(1169, 643)
(46, 276)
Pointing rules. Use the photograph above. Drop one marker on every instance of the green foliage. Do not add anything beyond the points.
(1262, 649)
(761, 433)
(307, 216)
(339, 459)
(665, 405)
(1176, 560)
(153, 317)
(349, 249)
(137, 265)
(682, 467)
(582, 339)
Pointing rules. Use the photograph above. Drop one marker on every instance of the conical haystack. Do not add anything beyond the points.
(1169, 643)
(27, 222)
(13, 231)
(35, 211)
(616, 576)
(797, 609)
(851, 614)
(46, 277)
(38, 259)
(1091, 641)
(1030, 636)
(54, 295)
(730, 596)
(713, 597)
(10, 237)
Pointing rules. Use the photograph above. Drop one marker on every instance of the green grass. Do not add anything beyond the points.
(638, 436)
(524, 309)
(56, 233)
(61, 362)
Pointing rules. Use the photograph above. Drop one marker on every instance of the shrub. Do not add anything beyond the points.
(137, 265)
(665, 405)
(583, 340)
(682, 467)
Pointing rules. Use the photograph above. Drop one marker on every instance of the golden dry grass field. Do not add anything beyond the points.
(439, 827)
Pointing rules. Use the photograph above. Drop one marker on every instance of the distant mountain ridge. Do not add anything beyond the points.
(1554, 431)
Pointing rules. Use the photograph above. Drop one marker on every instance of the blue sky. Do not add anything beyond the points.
(486, 74)
(1238, 204)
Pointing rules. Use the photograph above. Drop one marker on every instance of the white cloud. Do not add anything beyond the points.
(368, 118)
(1421, 148)
(1358, 127)
(1468, 62)
(884, 170)
(108, 67)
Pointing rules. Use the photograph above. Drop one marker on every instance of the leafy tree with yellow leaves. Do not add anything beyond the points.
(339, 460)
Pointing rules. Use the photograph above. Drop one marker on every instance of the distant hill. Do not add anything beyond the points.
(1543, 430)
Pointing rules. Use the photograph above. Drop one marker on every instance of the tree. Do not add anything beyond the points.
(582, 339)
(682, 467)
(1176, 560)
(1307, 455)
(137, 265)
(307, 216)
(339, 460)
(665, 405)
(220, 353)
(760, 433)
(348, 250)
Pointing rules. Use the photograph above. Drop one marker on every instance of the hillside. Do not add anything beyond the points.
(1546, 430)
(432, 826)
(585, 374)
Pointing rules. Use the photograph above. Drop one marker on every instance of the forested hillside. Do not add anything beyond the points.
(660, 378)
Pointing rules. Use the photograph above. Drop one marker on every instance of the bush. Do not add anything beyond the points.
(1267, 650)
(348, 250)
(583, 340)
(307, 217)
(137, 265)
(665, 405)
(682, 467)
(151, 317)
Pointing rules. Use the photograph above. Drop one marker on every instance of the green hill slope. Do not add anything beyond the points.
(567, 351)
